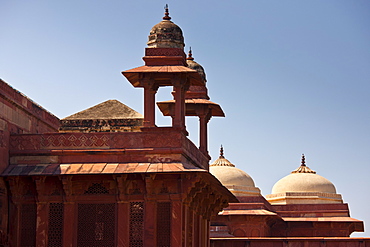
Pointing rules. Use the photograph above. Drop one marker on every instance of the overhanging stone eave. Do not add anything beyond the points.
(166, 107)
(162, 75)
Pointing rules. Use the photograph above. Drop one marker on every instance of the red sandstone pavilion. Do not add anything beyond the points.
(108, 176)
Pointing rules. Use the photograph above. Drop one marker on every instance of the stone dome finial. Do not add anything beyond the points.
(166, 13)
(221, 161)
(194, 65)
(303, 160)
(190, 55)
(303, 168)
(222, 152)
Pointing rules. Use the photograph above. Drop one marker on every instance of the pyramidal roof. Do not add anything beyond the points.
(110, 109)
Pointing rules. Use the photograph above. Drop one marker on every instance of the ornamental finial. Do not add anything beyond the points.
(190, 55)
(303, 168)
(303, 161)
(222, 152)
(166, 13)
(221, 161)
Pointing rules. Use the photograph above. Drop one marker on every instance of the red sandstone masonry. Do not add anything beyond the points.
(41, 120)
(112, 147)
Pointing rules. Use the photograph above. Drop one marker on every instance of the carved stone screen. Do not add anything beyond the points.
(28, 225)
(163, 224)
(55, 228)
(136, 224)
(96, 225)
(95, 189)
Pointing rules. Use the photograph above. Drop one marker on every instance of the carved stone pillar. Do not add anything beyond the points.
(42, 209)
(123, 224)
(176, 223)
(123, 208)
(205, 115)
(180, 86)
(70, 224)
(150, 89)
(70, 219)
(150, 223)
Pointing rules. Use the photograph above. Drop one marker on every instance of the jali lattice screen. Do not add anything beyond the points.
(136, 224)
(55, 228)
(96, 225)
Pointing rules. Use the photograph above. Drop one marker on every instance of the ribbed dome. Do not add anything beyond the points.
(166, 34)
(236, 180)
(194, 65)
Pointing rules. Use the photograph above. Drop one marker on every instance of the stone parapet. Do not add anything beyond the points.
(169, 145)
(304, 198)
(22, 114)
(101, 125)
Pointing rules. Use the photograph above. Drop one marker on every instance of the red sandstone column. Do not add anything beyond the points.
(196, 230)
(70, 224)
(204, 117)
(41, 224)
(205, 235)
(190, 227)
(14, 227)
(208, 233)
(176, 223)
(150, 223)
(123, 224)
(180, 86)
(185, 222)
(150, 89)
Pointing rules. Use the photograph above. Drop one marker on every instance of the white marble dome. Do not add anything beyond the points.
(237, 181)
(304, 186)
(303, 182)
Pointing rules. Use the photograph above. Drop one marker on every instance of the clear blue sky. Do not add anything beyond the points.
(293, 77)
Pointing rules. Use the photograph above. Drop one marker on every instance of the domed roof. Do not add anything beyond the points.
(303, 179)
(194, 65)
(236, 180)
(166, 34)
(304, 186)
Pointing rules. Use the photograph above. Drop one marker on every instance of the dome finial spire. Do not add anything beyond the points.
(190, 55)
(222, 152)
(166, 13)
(303, 161)
(221, 161)
(303, 168)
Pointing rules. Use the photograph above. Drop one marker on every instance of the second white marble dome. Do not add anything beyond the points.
(303, 182)
(228, 175)
(237, 181)
(304, 186)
